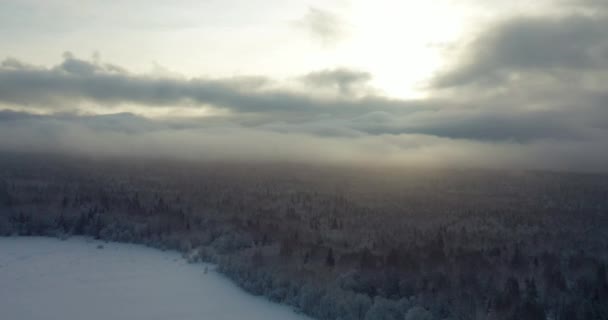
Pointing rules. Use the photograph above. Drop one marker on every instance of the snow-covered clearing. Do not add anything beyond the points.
(45, 278)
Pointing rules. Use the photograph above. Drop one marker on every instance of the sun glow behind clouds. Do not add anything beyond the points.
(399, 42)
(403, 43)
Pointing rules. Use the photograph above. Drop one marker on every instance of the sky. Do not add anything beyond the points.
(515, 84)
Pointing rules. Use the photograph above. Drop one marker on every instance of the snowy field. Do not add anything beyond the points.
(45, 278)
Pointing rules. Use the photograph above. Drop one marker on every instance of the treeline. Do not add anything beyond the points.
(342, 243)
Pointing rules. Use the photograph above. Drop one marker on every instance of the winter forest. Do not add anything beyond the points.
(341, 243)
(307, 159)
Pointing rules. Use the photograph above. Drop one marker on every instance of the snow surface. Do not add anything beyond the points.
(45, 278)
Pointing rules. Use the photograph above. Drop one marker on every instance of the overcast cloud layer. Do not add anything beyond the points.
(526, 92)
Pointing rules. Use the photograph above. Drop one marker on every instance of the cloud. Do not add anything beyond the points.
(76, 81)
(524, 45)
(323, 25)
(595, 6)
(134, 136)
(346, 81)
(481, 125)
(257, 102)
(529, 92)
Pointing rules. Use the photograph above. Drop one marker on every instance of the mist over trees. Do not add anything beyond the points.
(341, 243)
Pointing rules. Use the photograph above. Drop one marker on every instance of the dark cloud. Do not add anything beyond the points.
(75, 80)
(256, 103)
(484, 126)
(10, 115)
(346, 81)
(534, 77)
(531, 45)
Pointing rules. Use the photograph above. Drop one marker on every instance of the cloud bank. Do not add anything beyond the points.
(527, 92)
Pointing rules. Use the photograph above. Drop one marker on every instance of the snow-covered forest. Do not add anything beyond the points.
(341, 243)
